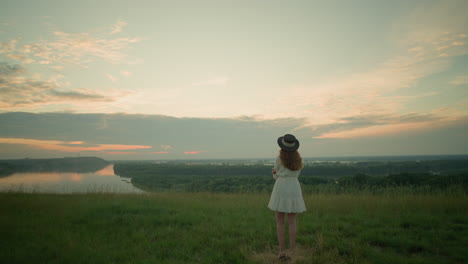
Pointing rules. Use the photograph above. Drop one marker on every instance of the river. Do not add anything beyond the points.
(103, 180)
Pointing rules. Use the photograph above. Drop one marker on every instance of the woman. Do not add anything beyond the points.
(286, 197)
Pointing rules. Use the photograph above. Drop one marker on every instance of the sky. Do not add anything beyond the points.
(225, 79)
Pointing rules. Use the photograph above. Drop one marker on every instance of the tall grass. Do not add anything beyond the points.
(330, 188)
(174, 227)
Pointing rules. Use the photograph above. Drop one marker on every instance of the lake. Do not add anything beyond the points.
(103, 180)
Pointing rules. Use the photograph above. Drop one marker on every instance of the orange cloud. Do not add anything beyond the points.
(76, 146)
(31, 91)
(159, 152)
(166, 147)
(119, 152)
(193, 152)
(378, 130)
(75, 142)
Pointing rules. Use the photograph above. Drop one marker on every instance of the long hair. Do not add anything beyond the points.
(291, 160)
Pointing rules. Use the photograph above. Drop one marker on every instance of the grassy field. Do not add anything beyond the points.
(229, 228)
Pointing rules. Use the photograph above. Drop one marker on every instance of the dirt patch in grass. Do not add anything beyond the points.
(270, 255)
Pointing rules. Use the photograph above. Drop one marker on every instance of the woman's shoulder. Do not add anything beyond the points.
(278, 161)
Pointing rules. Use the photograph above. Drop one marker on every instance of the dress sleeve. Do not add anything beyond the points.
(276, 168)
(277, 163)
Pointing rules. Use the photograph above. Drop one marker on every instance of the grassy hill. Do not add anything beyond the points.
(229, 228)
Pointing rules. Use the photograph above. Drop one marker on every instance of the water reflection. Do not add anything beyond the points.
(103, 180)
(107, 171)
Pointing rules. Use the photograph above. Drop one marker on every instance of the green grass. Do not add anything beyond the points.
(229, 228)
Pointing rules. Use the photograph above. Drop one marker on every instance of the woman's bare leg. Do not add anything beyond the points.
(280, 230)
(292, 231)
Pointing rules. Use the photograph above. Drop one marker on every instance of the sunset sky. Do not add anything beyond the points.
(224, 79)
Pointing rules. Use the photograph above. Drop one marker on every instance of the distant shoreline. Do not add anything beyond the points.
(69, 164)
(337, 158)
(327, 158)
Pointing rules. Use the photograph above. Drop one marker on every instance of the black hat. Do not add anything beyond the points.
(288, 143)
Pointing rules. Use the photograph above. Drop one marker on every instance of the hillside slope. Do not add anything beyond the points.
(229, 228)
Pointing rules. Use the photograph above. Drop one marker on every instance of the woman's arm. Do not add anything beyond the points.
(275, 169)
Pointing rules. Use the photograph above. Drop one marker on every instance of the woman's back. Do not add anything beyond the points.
(282, 171)
(286, 195)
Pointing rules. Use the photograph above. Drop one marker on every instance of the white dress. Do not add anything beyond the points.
(286, 196)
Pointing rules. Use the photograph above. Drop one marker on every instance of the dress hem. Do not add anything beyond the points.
(287, 212)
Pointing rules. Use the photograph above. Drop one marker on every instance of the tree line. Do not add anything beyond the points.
(257, 178)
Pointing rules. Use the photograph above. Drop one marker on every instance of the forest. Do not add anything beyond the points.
(433, 175)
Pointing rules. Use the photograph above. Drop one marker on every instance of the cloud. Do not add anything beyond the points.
(80, 94)
(11, 69)
(460, 80)
(126, 73)
(377, 125)
(213, 81)
(8, 47)
(64, 48)
(63, 146)
(373, 91)
(81, 48)
(230, 137)
(111, 77)
(119, 152)
(426, 43)
(117, 27)
(103, 124)
(21, 57)
(19, 91)
(193, 152)
(168, 133)
(377, 130)
(57, 67)
(433, 24)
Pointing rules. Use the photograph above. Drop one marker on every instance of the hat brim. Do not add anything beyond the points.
(286, 148)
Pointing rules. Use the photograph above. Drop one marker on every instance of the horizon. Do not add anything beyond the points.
(339, 158)
(159, 80)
